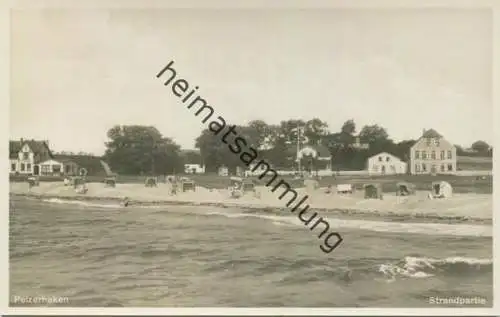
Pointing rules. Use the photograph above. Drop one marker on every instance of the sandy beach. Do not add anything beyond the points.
(459, 206)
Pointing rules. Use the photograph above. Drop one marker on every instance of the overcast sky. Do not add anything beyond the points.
(77, 73)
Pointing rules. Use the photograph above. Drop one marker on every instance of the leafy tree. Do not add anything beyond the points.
(315, 130)
(372, 134)
(258, 133)
(402, 149)
(349, 127)
(480, 146)
(192, 157)
(460, 150)
(135, 149)
(216, 153)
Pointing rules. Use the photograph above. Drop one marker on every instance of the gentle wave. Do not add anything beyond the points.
(378, 226)
(370, 225)
(422, 267)
(81, 203)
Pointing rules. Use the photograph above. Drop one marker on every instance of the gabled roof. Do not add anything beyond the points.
(386, 154)
(431, 133)
(320, 149)
(38, 147)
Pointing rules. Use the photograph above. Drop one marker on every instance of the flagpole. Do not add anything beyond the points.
(298, 147)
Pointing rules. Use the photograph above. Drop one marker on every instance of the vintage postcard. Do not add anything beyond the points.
(318, 157)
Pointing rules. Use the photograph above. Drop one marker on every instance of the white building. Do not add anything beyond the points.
(25, 156)
(194, 169)
(315, 158)
(223, 171)
(31, 157)
(433, 154)
(385, 164)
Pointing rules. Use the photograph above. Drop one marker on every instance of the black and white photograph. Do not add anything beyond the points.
(336, 157)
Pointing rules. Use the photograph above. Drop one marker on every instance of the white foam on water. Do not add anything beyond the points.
(81, 203)
(378, 226)
(416, 267)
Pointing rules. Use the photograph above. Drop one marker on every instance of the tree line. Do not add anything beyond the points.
(141, 150)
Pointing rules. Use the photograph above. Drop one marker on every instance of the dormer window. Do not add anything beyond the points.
(428, 141)
(380, 158)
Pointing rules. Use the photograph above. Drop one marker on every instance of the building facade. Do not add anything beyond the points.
(31, 157)
(385, 164)
(25, 156)
(194, 169)
(315, 158)
(432, 154)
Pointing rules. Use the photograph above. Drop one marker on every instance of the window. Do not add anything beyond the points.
(28, 167)
(380, 158)
(450, 167)
(56, 168)
(436, 141)
(433, 155)
(387, 159)
(22, 167)
(424, 155)
(68, 169)
(417, 168)
(424, 168)
(449, 155)
(428, 142)
(443, 167)
(45, 169)
(442, 155)
(26, 156)
(417, 154)
(13, 167)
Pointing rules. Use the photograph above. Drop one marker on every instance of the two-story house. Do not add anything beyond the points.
(31, 157)
(432, 154)
(25, 155)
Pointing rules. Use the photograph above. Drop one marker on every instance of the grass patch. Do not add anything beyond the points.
(470, 163)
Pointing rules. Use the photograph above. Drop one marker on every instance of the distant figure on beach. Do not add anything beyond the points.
(125, 202)
(328, 190)
(174, 187)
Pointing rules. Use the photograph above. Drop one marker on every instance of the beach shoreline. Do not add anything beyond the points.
(418, 210)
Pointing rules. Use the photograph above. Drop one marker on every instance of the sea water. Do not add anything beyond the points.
(100, 254)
